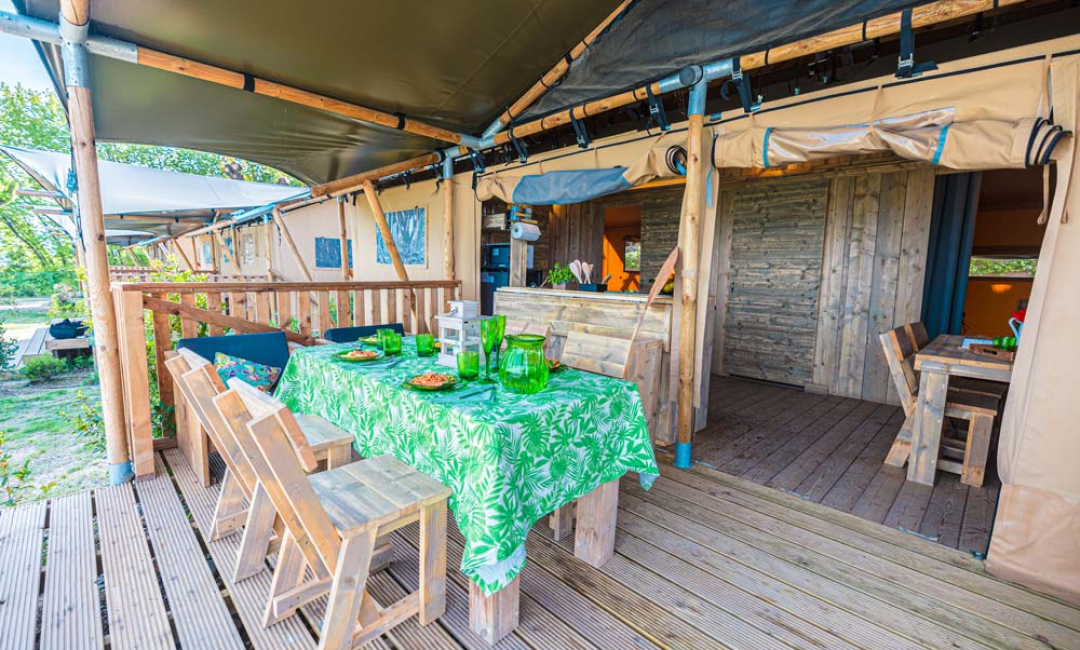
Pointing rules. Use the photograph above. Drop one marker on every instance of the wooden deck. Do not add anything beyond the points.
(703, 560)
(831, 450)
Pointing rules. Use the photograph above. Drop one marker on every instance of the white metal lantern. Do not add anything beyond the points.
(459, 331)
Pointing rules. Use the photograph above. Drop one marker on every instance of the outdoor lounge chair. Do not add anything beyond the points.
(350, 334)
(332, 521)
(318, 441)
(964, 457)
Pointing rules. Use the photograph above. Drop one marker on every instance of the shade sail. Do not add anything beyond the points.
(152, 201)
(452, 64)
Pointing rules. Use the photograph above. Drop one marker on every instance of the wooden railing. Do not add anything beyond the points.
(146, 274)
(303, 310)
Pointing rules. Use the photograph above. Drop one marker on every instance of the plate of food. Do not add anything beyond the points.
(554, 365)
(368, 340)
(431, 381)
(359, 355)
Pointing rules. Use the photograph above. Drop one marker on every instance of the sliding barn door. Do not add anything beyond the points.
(776, 233)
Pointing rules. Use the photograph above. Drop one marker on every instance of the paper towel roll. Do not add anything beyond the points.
(524, 231)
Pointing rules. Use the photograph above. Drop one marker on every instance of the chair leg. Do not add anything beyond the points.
(229, 512)
(977, 451)
(432, 562)
(901, 447)
(288, 591)
(257, 533)
(338, 456)
(348, 592)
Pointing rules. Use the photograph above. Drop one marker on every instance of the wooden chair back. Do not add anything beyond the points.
(266, 429)
(199, 383)
(900, 352)
(603, 355)
(917, 333)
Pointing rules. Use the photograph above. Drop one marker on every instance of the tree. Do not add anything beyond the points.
(35, 252)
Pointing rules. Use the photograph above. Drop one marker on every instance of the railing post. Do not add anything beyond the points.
(135, 376)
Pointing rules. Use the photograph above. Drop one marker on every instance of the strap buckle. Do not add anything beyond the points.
(582, 134)
(656, 110)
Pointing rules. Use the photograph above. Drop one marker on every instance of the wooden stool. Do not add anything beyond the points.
(332, 521)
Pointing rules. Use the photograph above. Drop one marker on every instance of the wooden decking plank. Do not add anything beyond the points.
(979, 517)
(200, 615)
(973, 613)
(137, 617)
(248, 596)
(921, 555)
(819, 418)
(944, 514)
(820, 479)
(772, 465)
(780, 414)
(71, 608)
(826, 447)
(21, 536)
(927, 634)
(877, 500)
(760, 611)
(813, 608)
(847, 491)
(907, 510)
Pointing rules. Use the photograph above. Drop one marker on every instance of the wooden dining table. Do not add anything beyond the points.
(938, 362)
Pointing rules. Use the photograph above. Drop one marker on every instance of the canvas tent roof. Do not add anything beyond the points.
(455, 65)
(179, 201)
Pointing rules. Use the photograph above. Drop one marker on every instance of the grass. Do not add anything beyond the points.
(33, 416)
(24, 316)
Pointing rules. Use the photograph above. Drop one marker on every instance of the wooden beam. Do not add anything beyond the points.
(226, 254)
(449, 265)
(291, 244)
(214, 318)
(356, 181)
(206, 72)
(346, 272)
(552, 77)
(92, 219)
(384, 228)
(182, 255)
(268, 232)
(689, 247)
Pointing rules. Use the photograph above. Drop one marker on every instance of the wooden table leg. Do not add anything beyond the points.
(929, 417)
(493, 617)
(594, 543)
(562, 522)
(901, 447)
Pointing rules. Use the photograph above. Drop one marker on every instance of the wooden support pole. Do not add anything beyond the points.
(91, 217)
(268, 232)
(291, 244)
(519, 261)
(229, 257)
(346, 272)
(689, 246)
(384, 228)
(449, 266)
(355, 182)
(182, 255)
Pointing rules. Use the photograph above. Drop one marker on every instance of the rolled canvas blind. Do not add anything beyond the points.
(931, 137)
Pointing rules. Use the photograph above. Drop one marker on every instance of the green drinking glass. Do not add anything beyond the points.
(380, 336)
(391, 343)
(425, 345)
(489, 337)
(500, 320)
(523, 368)
(468, 365)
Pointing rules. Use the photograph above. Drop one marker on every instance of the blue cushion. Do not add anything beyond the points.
(268, 349)
(350, 334)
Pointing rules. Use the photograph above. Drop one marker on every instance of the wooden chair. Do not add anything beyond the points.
(637, 361)
(332, 521)
(239, 502)
(964, 457)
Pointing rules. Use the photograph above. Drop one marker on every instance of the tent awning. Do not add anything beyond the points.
(154, 202)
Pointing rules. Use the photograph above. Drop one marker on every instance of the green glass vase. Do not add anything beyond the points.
(523, 368)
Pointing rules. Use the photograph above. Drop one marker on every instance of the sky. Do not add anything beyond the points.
(19, 62)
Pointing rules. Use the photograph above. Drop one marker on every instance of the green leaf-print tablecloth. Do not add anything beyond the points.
(509, 461)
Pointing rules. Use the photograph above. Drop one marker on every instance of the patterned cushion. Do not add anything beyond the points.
(256, 374)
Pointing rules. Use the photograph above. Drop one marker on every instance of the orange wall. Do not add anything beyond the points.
(621, 280)
(990, 302)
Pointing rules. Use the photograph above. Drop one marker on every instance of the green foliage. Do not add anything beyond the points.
(559, 274)
(983, 266)
(87, 423)
(15, 485)
(43, 368)
(8, 348)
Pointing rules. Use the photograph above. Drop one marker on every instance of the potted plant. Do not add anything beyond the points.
(559, 276)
